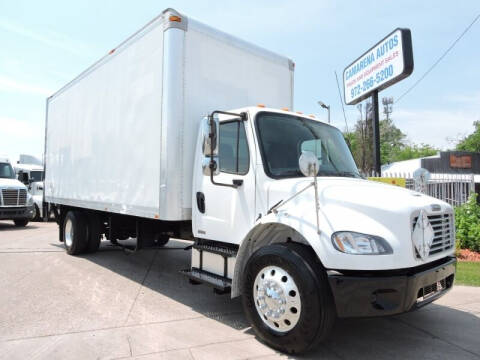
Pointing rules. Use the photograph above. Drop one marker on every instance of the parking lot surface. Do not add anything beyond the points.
(113, 305)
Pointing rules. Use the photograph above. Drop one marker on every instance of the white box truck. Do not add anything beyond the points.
(162, 138)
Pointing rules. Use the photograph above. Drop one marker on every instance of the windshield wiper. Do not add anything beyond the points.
(340, 173)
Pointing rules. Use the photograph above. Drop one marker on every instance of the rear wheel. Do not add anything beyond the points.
(20, 222)
(94, 233)
(286, 297)
(75, 232)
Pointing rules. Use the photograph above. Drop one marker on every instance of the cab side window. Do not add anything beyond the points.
(233, 157)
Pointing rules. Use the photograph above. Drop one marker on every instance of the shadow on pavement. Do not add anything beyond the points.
(8, 225)
(436, 331)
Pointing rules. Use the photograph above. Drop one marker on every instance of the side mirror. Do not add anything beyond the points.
(210, 136)
(206, 166)
(308, 164)
(23, 177)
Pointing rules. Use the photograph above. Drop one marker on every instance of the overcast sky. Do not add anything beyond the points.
(44, 44)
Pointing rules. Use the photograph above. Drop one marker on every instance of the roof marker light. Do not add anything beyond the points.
(312, 116)
(111, 52)
(299, 112)
(261, 105)
(285, 109)
(175, 18)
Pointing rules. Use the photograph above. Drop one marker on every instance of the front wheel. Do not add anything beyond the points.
(286, 297)
(20, 222)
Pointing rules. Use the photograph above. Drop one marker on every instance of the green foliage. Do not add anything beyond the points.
(468, 273)
(393, 144)
(472, 141)
(407, 152)
(467, 222)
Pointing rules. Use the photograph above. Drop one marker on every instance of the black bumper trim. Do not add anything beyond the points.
(367, 296)
(12, 213)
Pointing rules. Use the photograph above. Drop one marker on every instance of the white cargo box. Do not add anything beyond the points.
(121, 136)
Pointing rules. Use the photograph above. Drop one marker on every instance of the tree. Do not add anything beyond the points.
(407, 152)
(393, 142)
(472, 141)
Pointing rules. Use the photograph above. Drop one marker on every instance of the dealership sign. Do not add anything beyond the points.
(386, 63)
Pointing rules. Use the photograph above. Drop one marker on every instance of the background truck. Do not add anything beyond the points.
(31, 175)
(157, 140)
(15, 202)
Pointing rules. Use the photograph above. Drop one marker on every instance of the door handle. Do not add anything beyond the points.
(237, 182)
(201, 202)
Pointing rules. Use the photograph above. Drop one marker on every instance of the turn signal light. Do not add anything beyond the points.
(175, 18)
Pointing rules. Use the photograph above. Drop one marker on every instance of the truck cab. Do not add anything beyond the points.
(32, 175)
(372, 249)
(15, 202)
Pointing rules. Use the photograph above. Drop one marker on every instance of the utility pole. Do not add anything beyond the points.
(387, 106)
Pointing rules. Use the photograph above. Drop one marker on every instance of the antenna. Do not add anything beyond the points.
(341, 102)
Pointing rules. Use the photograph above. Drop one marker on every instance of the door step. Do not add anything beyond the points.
(220, 283)
(216, 249)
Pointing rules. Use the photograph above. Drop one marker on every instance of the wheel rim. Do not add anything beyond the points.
(277, 299)
(69, 233)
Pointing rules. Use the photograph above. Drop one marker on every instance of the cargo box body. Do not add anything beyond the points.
(121, 136)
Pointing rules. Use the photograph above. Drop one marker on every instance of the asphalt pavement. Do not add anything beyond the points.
(116, 306)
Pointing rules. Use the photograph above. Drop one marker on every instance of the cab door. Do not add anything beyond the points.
(226, 213)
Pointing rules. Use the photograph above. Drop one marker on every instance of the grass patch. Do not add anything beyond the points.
(468, 273)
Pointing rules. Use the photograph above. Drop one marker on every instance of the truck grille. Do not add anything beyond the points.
(444, 238)
(14, 197)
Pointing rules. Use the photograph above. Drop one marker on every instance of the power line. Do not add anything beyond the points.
(440, 58)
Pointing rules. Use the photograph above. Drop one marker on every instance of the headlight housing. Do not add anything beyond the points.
(354, 243)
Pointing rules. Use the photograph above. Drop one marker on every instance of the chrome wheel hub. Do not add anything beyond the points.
(277, 298)
(69, 233)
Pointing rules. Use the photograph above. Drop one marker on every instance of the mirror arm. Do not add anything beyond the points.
(242, 116)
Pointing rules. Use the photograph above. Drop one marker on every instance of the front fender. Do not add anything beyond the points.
(276, 228)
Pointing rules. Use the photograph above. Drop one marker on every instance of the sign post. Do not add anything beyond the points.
(376, 134)
(383, 65)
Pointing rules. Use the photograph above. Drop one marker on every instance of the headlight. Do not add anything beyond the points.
(350, 242)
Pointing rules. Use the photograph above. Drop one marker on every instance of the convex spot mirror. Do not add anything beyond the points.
(308, 163)
(210, 136)
(210, 145)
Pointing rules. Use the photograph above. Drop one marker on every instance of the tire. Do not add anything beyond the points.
(94, 233)
(20, 222)
(36, 213)
(75, 232)
(300, 282)
(161, 240)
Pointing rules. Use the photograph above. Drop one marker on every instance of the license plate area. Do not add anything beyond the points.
(429, 291)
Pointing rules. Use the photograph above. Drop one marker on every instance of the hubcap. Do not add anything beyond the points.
(277, 298)
(69, 233)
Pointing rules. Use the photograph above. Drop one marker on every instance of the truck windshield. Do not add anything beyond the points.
(36, 176)
(283, 137)
(6, 171)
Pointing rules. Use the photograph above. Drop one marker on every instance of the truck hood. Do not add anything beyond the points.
(11, 183)
(352, 204)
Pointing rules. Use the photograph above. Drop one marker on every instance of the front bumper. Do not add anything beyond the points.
(11, 213)
(381, 293)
